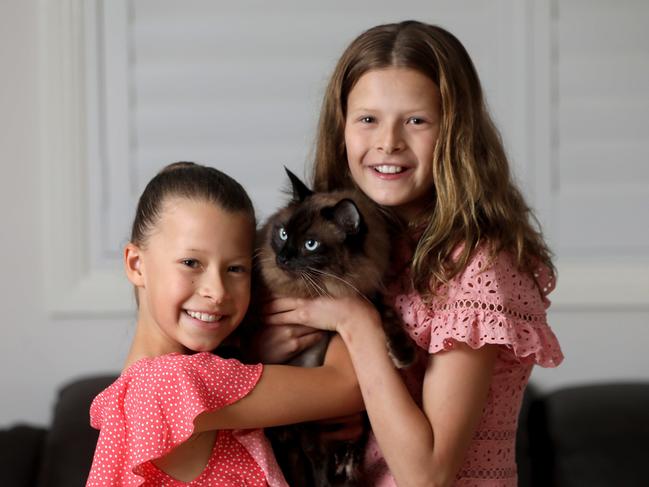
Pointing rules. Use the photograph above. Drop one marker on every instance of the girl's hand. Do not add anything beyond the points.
(322, 313)
(278, 344)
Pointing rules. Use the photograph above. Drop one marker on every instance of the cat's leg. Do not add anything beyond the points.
(401, 347)
(314, 355)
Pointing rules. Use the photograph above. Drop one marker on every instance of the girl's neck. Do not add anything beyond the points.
(148, 343)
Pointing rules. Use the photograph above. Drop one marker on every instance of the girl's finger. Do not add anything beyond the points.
(280, 305)
(306, 341)
(277, 344)
(298, 331)
(289, 317)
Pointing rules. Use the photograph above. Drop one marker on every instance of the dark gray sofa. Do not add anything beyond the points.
(589, 436)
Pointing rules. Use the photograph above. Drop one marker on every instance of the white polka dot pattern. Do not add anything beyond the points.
(150, 409)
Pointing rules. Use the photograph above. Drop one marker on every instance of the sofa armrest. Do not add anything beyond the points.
(599, 435)
(20, 454)
(70, 444)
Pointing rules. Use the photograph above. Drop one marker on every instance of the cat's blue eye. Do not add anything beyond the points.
(311, 245)
(282, 234)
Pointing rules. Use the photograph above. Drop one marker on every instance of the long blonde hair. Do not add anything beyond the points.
(474, 200)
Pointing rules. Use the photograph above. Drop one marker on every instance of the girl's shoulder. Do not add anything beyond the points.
(164, 382)
(203, 364)
(150, 410)
(490, 301)
(494, 278)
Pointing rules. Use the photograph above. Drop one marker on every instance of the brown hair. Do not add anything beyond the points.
(474, 199)
(187, 180)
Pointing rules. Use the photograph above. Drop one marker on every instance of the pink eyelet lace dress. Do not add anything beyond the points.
(488, 303)
(150, 409)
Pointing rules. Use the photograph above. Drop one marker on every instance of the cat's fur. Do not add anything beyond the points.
(327, 244)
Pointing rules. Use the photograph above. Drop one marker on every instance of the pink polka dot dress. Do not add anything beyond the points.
(150, 409)
(490, 302)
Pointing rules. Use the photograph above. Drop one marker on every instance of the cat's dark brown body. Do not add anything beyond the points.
(327, 244)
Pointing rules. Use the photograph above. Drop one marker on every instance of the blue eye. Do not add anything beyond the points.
(282, 234)
(311, 245)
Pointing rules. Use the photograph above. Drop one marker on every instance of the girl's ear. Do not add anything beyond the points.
(132, 264)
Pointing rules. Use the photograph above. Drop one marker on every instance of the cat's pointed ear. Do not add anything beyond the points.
(347, 216)
(300, 190)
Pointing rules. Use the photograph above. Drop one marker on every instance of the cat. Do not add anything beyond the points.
(327, 244)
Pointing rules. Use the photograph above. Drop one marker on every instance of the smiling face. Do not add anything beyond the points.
(193, 277)
(391, 128)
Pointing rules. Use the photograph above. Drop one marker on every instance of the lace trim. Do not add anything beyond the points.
(496, 435)
(479, 305)
(487, 473)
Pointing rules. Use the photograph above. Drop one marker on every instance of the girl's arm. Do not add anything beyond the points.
(286, 394)
(422, 446)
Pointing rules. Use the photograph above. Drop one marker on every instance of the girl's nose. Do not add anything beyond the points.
(390, 139)
(213, 287)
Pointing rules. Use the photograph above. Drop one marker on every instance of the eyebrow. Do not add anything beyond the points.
(363, 109)
(410, 110)
(203, 251)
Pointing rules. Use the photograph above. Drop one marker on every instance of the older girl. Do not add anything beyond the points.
(404, 120)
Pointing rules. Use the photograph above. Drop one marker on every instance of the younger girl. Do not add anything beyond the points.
(404, 120)
(168, 419)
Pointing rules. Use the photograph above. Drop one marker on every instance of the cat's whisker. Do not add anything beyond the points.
(310, 283)
(304, 279)
(347, 283)
(320, 291)
(266, 260)
(257, 253)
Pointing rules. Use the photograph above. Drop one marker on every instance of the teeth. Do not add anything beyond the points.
(387, 169)
(203, 316)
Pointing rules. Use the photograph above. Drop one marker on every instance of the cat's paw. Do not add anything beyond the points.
(401, 347)
(402, 356)
(347, 466)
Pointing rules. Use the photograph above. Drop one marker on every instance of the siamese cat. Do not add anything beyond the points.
(327, 244)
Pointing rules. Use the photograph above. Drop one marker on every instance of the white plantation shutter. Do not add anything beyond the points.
(600, 190)
(603, 150)
(238, 85)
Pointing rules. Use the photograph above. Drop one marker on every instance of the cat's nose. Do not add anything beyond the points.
(284, 261)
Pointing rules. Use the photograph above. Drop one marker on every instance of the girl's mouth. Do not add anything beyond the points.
(205, 317)
(389, 172)
(389, 169)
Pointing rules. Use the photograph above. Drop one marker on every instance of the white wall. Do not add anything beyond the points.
(40, 352)
(37, 353)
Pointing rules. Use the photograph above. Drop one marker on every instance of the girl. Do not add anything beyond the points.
(168, 419)
(404, 120)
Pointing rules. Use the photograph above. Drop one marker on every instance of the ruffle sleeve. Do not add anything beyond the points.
(490, 302)
(151, 409)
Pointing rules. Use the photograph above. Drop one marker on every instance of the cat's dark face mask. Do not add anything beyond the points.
(316, 237)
